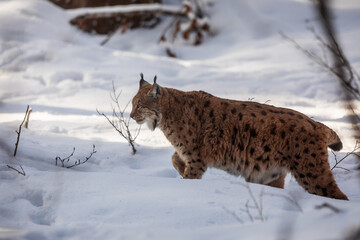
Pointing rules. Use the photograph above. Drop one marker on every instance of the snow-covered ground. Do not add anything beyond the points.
(65, 75)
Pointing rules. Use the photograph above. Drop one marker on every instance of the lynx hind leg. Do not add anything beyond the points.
(313, 173)
(278, 183)
(178, 164)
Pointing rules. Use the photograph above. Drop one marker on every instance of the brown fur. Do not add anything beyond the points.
(257, 141)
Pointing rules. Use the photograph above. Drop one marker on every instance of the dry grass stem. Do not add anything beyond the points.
(119, 122)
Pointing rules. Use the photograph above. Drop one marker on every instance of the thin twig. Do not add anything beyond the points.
(78, 162)
(232, 213)
(19, 131)
(64, 159)
(26, 118)
(247, 211)
(337, 162)
(258, 205)
(350, 84)
(119, 122)
(22, 172)
(267, 101)
(112, 123)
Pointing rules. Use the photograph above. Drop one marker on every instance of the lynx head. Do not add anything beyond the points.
(145, 104)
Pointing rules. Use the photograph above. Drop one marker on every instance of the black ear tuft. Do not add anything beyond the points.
(155, 90)
(143, 83)
(155, 79)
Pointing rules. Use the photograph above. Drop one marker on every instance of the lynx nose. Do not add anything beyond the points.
(132, 114)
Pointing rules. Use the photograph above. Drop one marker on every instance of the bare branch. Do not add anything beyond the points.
(267, 101)
(112, 123)
(119, 122)
(258, 204)
(65, 159)
(22, 172)
(354, 151)
(26, 121)
(247, 211)
(351, 83)
(19, 131)
(77, 162)
(28, 118)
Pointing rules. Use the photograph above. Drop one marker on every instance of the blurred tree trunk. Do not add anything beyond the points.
(70, 4)
(341, 66)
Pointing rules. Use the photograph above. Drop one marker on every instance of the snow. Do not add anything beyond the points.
(65, 75)
(126, 8)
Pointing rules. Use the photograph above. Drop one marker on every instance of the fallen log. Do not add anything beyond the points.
(107, 23)
(147, 16)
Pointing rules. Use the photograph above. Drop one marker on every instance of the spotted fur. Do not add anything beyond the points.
(257, 141)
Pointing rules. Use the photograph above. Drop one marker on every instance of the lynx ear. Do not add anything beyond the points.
(143, 83)
(155, 90)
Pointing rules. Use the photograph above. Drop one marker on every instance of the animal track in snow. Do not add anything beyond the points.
(35, 198)
(42, 217)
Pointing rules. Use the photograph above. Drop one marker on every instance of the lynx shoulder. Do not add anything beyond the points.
(259, 142)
